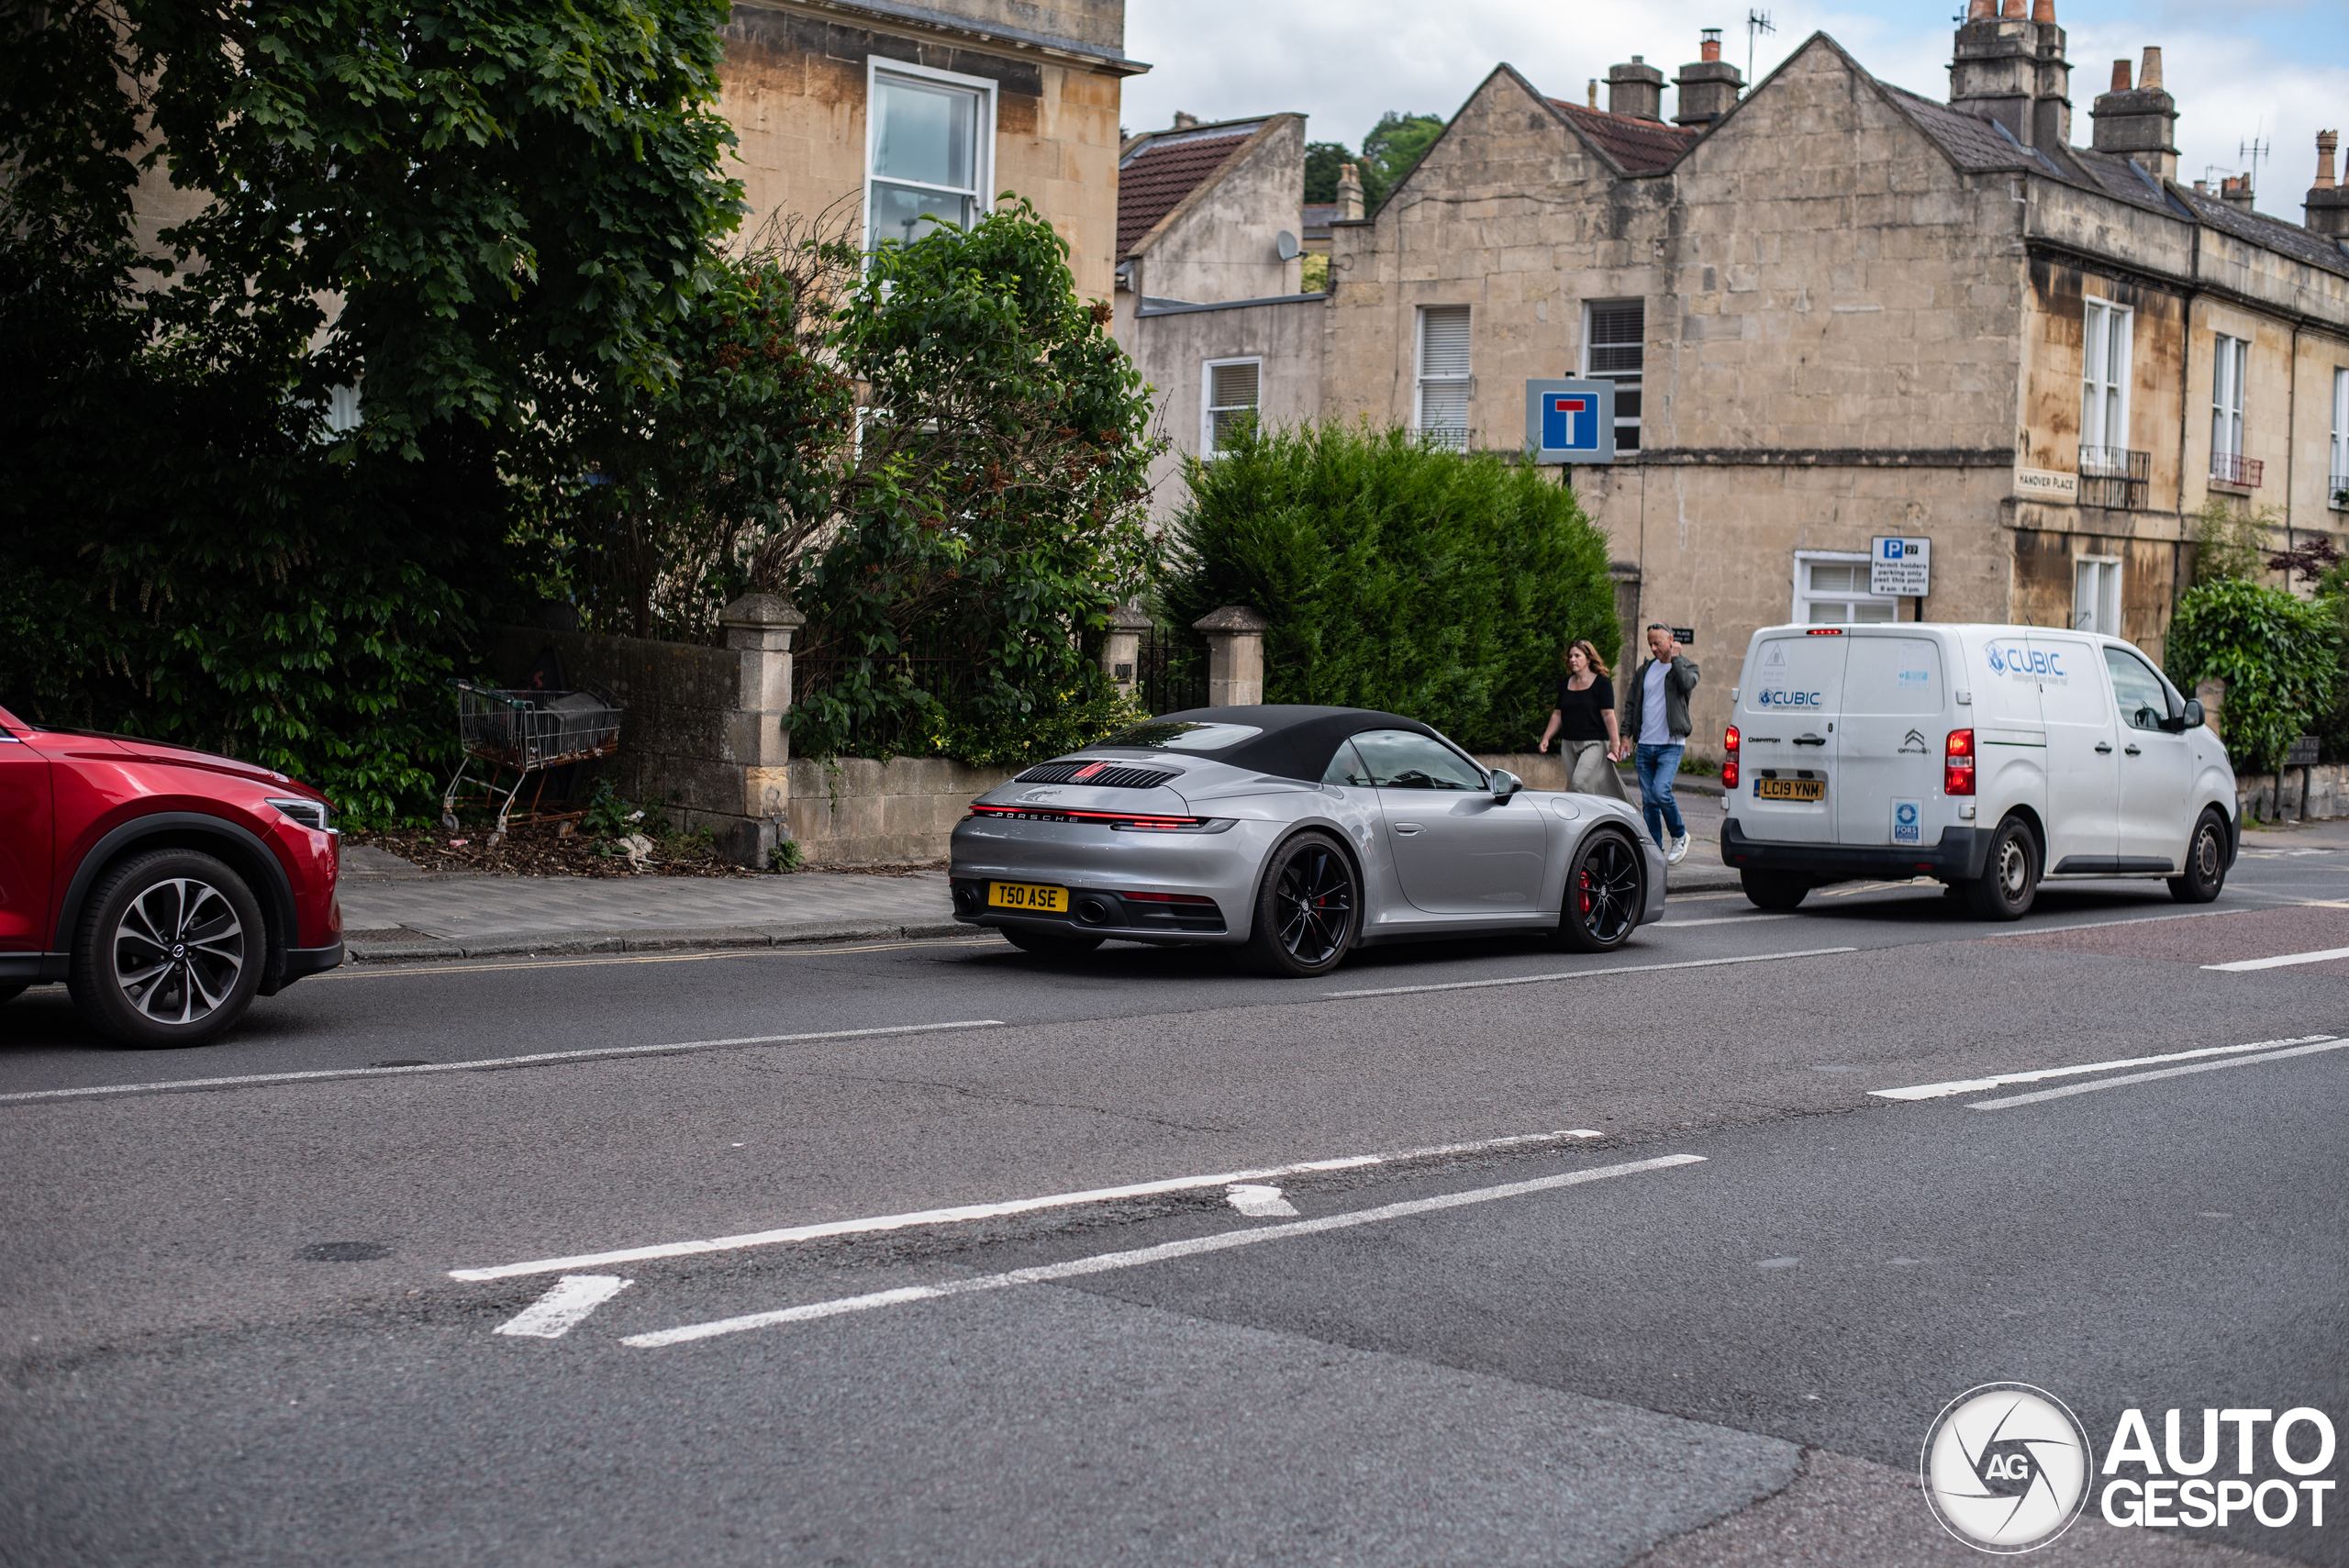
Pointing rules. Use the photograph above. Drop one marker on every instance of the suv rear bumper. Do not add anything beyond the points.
(1958, 857)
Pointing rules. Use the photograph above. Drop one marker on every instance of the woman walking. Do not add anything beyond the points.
(1589, 744)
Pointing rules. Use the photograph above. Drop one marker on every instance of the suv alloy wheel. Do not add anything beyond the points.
(170, 950)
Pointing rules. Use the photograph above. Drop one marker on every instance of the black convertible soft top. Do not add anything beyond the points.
(1297, 742)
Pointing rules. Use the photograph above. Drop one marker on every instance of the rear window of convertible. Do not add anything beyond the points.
(1183, 737)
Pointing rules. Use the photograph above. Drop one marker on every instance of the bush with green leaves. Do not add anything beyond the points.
(992, 516)
(1396, 574)
(2279, 655)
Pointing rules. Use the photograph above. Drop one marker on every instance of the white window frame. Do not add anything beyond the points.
(2337, 473)
(1632, 380)
(2099, 575)
(2104, 397)
(2230, 366)
(982, 147)
(1804, 598)
(1464, 379)
(1209, 406)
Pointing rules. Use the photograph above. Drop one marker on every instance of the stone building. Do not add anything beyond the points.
(1835, 309)
(1209, 302)
(907, 113)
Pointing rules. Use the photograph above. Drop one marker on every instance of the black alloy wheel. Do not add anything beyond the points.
(1049, 944)
(170, 951)
(2206, 863)
(2008, 884)
(1306, 911)
(1605, 889)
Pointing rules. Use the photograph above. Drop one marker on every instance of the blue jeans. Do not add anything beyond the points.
(1656, 766)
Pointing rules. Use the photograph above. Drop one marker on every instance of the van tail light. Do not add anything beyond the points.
(1957, 763)
(1729, 758)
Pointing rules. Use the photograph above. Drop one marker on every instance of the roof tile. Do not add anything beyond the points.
(1154, 180)
(1641, 146)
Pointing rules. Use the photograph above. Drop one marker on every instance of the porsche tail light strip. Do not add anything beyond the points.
(1131, 821)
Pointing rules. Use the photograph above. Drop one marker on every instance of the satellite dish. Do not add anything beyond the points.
(1286, 243)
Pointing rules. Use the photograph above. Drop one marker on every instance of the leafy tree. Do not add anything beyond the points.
(992, 517)
(1398, 575)
(2280, 656)
(1392, 149)
(487, 215)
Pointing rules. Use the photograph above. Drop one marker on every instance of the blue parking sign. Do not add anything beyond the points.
(1570, 421)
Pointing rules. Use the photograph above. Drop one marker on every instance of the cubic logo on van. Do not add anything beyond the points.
(1770, 697)
(2024, 662)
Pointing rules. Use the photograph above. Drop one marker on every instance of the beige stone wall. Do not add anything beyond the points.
(1172, 351)
(858, 812)
(793, 86)
(1218, 244)
(2317, 357)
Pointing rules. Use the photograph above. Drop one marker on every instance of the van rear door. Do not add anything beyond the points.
(1787, 701)
(1890, 741)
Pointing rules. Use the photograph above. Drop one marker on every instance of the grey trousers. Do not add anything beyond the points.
(1589, 772)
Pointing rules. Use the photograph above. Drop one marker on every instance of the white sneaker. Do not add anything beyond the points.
(1678, 851)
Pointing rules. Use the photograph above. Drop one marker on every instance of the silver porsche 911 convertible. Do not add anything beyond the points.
(1294, 835)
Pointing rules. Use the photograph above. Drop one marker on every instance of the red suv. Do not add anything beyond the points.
(166, 887)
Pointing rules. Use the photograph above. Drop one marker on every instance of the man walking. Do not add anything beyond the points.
(1655, 715)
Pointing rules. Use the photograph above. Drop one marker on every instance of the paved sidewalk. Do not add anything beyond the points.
(470, 917)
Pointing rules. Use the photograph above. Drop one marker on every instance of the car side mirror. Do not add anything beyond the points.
(1504, 783)
(2190, 718)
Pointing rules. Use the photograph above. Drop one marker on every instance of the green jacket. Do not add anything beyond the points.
(1678, 682)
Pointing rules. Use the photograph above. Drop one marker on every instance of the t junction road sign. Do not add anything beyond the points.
(1570, 421)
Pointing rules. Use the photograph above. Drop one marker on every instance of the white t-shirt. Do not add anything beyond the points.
(1656, 730)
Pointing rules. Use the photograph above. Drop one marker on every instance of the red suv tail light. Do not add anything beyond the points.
(1729, 758)
(1957, 763)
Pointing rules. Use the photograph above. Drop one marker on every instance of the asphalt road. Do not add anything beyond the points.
(230, 1331)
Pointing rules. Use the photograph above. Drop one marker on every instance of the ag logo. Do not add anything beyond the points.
(2006, 1467)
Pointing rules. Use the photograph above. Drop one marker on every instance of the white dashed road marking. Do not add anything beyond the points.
(2282, 961)
(2033, 1099)
(1976, 1086)
(1140, 1257)
(1588, 973)
(998, 1210)
(1261, 1202)
(562, 1309)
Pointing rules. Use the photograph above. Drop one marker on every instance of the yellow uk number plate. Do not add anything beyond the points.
(1027, 896)
(1790, 789)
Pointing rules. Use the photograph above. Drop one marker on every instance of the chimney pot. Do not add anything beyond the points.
(1593, 93)
(2149, 75)
(1710, 48)
(2139, 123)
(2326, 141)
(2042, 10)
(1184, 121)
(2201, 187)
(2012, 11)
(1350, 193)
(2326, 210)
(2120, 76)
(1981, 10)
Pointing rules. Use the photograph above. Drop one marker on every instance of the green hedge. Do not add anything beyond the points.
(2279, 655)
(1398, 575)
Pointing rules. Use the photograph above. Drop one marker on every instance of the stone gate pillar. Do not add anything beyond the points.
(1235, 655)
(1121, 650)
(757, 633)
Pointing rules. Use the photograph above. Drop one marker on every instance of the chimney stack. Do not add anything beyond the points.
(1635, 90)
(1592, 96)
(1185, 121)
(2235, 191)
(2139, 123)
(2011, 67)
(1349, 191)
(2327, 208)
(1708, 85)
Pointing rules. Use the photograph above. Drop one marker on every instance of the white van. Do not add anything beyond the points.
(1985, 756)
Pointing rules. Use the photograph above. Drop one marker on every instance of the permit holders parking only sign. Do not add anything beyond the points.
(1901, 567)
(1570, 421)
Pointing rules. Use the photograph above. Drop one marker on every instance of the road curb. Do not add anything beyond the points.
(566, 944)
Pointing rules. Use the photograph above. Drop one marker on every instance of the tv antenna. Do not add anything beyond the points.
(1756, 23)
(2251, 151)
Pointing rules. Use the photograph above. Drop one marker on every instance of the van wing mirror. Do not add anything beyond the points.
(1504, 783)
(2192, 717)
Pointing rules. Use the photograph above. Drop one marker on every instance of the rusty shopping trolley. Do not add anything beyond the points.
(524, 734)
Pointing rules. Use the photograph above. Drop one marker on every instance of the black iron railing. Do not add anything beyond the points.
(2233, 468)
(2337, 489)
(1171, 669)
(2115, 477)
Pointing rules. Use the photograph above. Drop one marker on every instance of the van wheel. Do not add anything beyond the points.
(2008, 884)
(1774, 889)
(2206, 863)
(170, 950)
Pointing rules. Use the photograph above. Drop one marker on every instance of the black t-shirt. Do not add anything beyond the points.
(1582, 715)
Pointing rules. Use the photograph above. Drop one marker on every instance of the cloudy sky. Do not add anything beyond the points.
(2276, 71)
